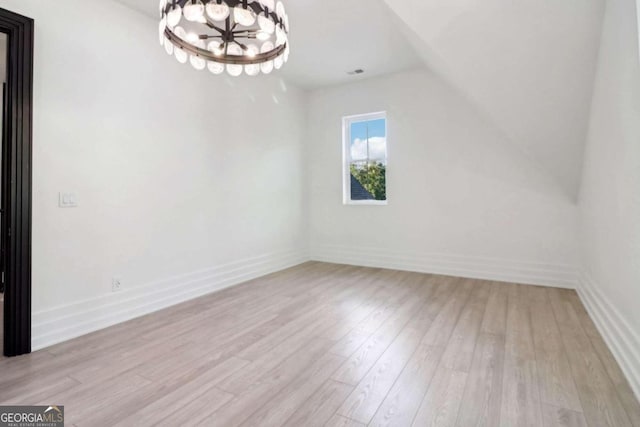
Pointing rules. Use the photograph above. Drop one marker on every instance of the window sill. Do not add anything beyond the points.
(367, 203)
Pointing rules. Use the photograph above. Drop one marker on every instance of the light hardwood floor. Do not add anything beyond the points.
(330, 345)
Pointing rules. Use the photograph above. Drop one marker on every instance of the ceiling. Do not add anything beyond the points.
(326, 45)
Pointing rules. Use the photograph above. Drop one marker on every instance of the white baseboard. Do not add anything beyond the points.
(554, 275)
(70, 321)
(622, 340)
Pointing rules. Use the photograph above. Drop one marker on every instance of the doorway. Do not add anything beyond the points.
(15, 191)
(3, 82)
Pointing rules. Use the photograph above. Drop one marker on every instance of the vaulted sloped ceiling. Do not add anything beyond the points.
(528, 65)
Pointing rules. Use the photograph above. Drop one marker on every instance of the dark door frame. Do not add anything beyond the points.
(15, 231)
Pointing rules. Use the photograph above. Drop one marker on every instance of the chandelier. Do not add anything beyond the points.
(249, 36)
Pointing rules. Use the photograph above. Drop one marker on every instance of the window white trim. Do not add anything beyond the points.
(368, 202)
(346, 157)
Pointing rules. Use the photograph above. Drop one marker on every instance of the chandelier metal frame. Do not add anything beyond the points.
(230, 32)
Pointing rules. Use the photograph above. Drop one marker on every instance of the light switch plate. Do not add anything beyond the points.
(68, 200)
(116, 284)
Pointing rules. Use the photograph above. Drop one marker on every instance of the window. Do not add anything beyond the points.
(365, 159)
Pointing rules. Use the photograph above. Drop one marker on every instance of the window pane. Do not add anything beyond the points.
(368, 140)
(368, 181)
(359, 141)
(358, 191)
(377, 127)
(377, 130)
(367, 167)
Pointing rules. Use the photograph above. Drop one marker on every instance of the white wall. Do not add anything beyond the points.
(462, 198)
(610, 195)
(187, 182)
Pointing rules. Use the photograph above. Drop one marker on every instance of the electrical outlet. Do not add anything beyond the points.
(116, 284)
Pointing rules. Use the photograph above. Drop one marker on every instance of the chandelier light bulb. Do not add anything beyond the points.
(174, 16)
(252, 69)
(180, 32)
(281, 36)
(161, 27)
(181, 55)
(168, 46)
(193, 38)
(278, 62)
(163, 5)
(252, 51)
(228, 46)
(244, 16)
(235, 69)
(216, 47)
(266, 24)
(196, 61)
(280, 11)
(269, 4)
(235, 50)
(193, 11)
(266, 67)
(215, 67)
(266, 47)
(262, 36)
(217, 12)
